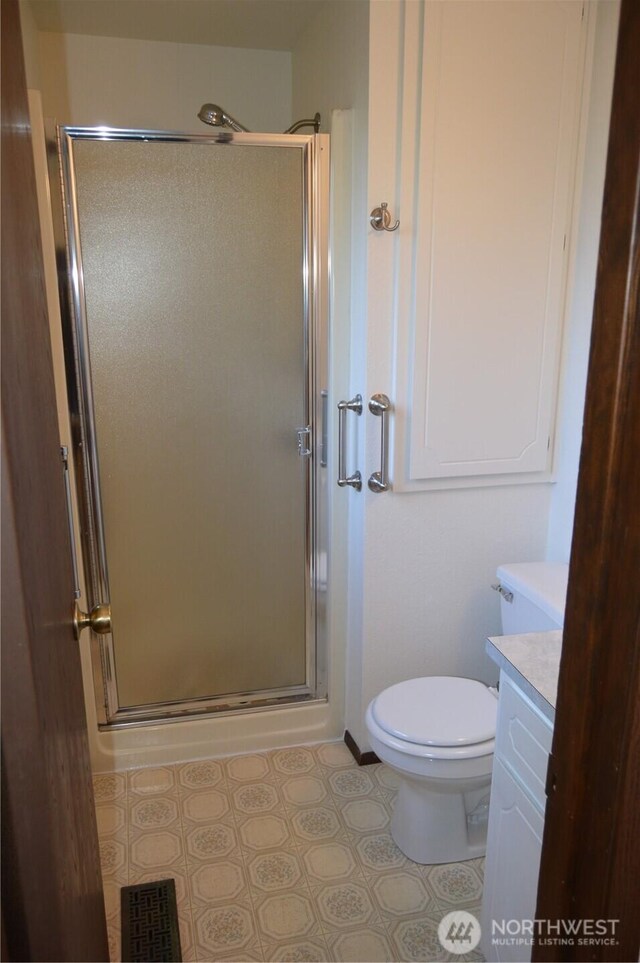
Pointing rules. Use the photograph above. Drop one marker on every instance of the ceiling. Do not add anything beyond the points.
(262, 24)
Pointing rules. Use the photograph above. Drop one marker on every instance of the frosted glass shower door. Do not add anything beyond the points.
(193, 263)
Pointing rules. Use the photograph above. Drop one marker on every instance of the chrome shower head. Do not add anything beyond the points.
(211, 114)
(215, 116)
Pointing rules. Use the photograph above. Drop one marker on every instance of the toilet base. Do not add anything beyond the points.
(433, 827)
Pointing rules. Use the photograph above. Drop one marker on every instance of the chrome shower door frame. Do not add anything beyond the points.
(315, 279)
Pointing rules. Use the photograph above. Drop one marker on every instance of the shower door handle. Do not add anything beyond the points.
(303, 445)
(354, 480)
(381, 406)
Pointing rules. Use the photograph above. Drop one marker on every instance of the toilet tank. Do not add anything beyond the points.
(532, 596)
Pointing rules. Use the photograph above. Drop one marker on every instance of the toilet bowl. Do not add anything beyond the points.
(437, 733)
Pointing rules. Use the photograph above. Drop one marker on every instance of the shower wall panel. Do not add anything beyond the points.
(192, 257)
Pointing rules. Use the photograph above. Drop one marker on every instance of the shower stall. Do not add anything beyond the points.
(193, 282)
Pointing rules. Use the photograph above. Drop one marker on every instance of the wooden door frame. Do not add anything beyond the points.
(591, 849)
(52, 899)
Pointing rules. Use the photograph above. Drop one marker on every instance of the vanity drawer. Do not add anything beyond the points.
(523, 740)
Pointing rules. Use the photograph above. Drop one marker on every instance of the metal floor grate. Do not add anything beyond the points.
(150, 922)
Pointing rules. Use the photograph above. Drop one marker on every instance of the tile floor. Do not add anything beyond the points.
(278, 856)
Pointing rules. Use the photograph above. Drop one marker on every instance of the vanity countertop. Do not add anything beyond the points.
(532, 660)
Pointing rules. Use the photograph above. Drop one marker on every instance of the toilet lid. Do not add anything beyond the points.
(438, 711)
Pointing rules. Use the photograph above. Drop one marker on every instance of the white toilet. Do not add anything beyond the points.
(438, 732)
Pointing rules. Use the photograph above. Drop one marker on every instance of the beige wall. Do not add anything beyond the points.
(90, 81)
(331, 62)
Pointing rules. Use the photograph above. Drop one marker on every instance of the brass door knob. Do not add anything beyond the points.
(99, 619)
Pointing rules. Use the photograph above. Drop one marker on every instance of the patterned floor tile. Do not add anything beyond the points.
(149, 850)
(187, 944)
(149, 782)
(200, 775)
(150, 813)
(315, 824)
(267, 831)
(115, 943)
(250, 768)
(329, 862)
(108, 787)
(334, 755)
(293, 762)
(112, 820)
(385, 777)
(217, 882)
(477, 865)
(251, 955)
(286, 916)
(455, 884)
(211, 841)
(346, 905)
(365, 816)
(285, 855)
(402, 894)
(255, 797)
(111, 892)
(305, 791)
(368, 945)
(417, 940)
(378, 852)
(225, 931)
(205, 805)
(114, 859)
(351, 784)
(269, 872)
(300, 951)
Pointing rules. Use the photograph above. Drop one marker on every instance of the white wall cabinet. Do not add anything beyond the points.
(491, 109)
(516, 822)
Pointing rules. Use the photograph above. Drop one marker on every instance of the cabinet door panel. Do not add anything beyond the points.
(498, 130)
(523, 739)
(513, 861)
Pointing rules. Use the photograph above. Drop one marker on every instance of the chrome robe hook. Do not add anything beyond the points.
(381, 219)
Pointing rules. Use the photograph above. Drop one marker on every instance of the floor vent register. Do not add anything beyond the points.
(150, 929)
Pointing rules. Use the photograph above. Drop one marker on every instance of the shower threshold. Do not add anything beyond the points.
(139, 716)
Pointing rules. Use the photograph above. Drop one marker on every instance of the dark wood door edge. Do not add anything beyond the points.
(362, 758)
(52, 897)
(591, 849)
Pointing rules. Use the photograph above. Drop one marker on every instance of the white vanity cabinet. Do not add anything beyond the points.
(516, 821)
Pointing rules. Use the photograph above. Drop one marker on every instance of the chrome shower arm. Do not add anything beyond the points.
(315, 123)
